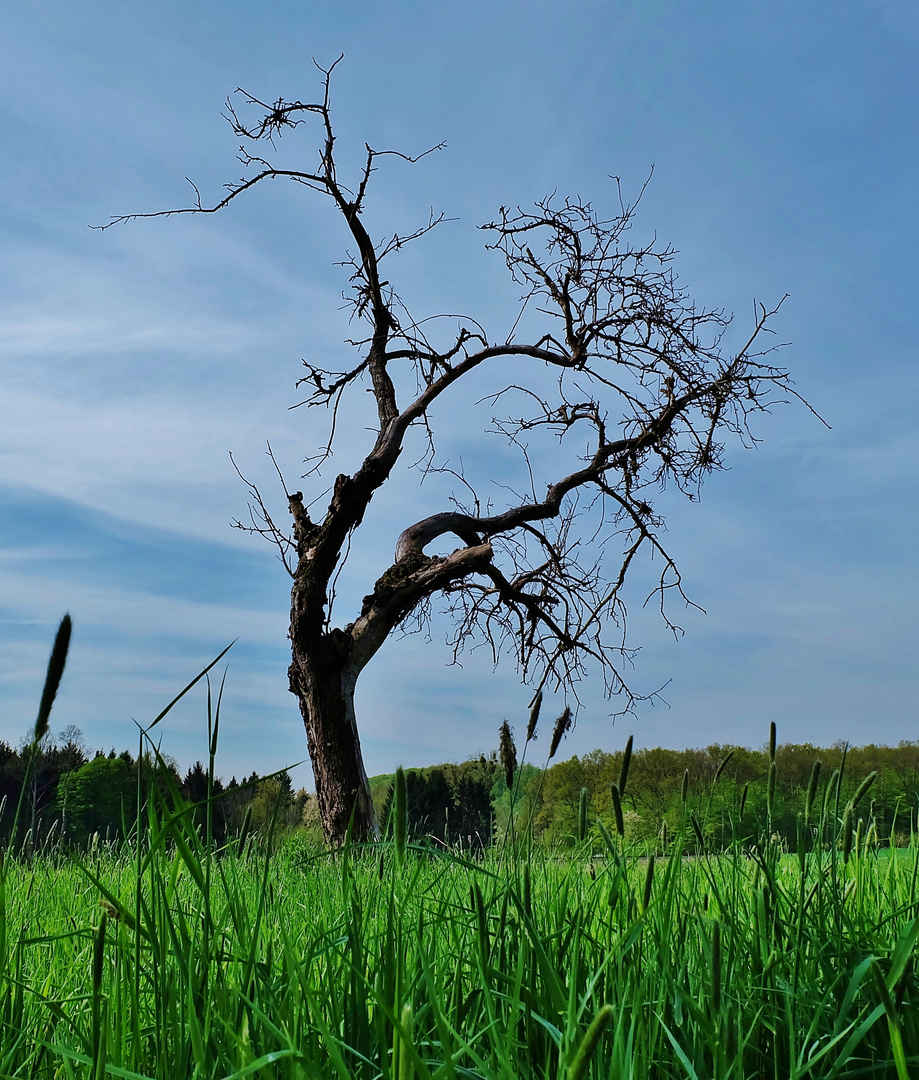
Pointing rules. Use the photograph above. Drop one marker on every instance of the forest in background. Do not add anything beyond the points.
(75, 793)
(724, 787)
(726, 790)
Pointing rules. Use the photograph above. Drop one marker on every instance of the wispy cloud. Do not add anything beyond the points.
(133, 360)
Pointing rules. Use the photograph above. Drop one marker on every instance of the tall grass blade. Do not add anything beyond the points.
(400, 816)
(98, 1037)
(893, 1022)
(847, 829)
(649, 884)
(770, 793)
(201, 674)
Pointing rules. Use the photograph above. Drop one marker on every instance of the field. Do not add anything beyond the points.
(170, 956)
(169, 962)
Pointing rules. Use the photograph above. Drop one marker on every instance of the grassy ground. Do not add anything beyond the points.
(165, 959)
(174, 963)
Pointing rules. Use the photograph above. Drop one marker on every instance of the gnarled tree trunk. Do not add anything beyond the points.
(323, 676)
(326, 662)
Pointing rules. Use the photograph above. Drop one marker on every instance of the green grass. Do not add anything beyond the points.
(164, 958)
(307, 964)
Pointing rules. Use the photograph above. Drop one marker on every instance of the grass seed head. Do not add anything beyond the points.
(811, 791)
(562, 727)
(830, 790)
(109, 909)
(579, 1066)
(534, 716)
(624, 768)
(649, 883)
(400, 819)
(615, 795)
(723, 764)
(508, 754)
(56, 663)
(863, 787)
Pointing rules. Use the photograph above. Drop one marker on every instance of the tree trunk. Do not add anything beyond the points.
(323, 676)
(325, 665)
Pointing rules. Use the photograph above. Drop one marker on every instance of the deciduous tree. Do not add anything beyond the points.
(618, 367)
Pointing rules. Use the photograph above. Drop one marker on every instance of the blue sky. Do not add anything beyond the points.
(783, 142)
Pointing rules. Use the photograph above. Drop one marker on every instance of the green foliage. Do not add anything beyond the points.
(449, 804)
(732, 792)
(100, 797)
(640, 796)
(513, 807)
(272, 801)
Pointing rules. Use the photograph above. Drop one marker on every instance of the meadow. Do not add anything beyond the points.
(168, 960)
(268, 955)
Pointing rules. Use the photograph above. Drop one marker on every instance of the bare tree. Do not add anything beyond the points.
(641, 388)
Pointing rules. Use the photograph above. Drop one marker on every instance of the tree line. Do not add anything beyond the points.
(67, 791)
(717, 794)
(723, 789)
(450, 805)
(75, 794)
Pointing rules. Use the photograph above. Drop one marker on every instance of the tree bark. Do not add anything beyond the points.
(324, 680)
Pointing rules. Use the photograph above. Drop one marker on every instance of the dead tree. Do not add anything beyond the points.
(641, 386)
